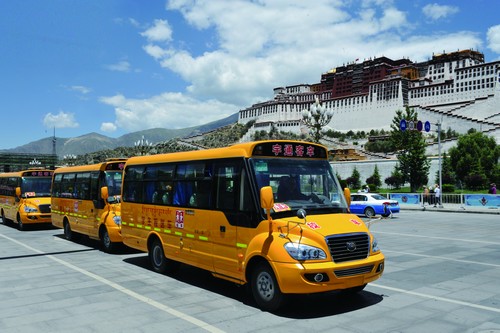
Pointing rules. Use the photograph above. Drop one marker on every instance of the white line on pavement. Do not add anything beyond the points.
(124, 290)
(436, 298)
(435, 237)
(443, 258)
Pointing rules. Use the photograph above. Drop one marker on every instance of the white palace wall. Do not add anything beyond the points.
(385, 169)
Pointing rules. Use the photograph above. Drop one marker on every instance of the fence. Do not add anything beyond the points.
(487, 201)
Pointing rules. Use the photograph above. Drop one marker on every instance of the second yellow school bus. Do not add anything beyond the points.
(25, 197)
(270, 214)
(86, 201)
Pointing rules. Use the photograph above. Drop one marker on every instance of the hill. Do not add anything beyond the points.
(96, 142)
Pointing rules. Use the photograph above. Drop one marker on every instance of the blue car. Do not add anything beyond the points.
(371, 204)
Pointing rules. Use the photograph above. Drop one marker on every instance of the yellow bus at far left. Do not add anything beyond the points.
(25, 197)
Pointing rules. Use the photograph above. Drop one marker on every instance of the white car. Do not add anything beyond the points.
(371, 204)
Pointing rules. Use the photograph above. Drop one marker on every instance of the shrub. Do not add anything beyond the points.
(448, 188)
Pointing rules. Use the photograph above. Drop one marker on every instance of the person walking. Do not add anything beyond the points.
(493, 189)
(437, 195)
(426, 196)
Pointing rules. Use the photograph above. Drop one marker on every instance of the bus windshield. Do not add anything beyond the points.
(36, 186)
(114, 182)
(300, 183)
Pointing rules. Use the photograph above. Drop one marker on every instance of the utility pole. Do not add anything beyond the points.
(440, 166)
(54, 154)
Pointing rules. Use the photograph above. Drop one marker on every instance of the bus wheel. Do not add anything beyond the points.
(106, 243)
(265, 288)
(68, 234)
(157, 257)
(159, 262)
(20, 224)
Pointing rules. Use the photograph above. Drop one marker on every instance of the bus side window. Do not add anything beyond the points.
(234, 196)
(183, 190)
(202, 196)
(225, 182)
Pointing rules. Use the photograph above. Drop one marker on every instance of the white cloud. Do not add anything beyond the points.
(60, 120)
(168, 110)
(260, 45)
(159, 32)
(108, 127)
(435, 11)
(493, 37)
(81, 89)
(121, 66)
(155, 51)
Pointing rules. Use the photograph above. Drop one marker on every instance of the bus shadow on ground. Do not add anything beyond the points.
(85, 240)
(28, 227)
(307, 306)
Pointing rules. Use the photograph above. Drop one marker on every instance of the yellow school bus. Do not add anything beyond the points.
(228, 211)
(86, 201)
(25, 197)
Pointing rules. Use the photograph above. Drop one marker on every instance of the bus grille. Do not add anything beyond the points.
(44, 208)
(349, 247)
(353, 271)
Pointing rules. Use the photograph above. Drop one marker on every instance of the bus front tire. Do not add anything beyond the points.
(68, 234)
(107, 245)
(265, 288)
(20, 224)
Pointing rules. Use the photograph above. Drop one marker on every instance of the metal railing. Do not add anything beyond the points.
(486, 201)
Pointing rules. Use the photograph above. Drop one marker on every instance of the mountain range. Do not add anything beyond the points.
(95, 142)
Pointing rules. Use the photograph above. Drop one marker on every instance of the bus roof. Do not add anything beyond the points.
(29, 173)
(92, 167)
(270, 148)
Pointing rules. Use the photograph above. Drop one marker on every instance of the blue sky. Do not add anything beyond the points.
(119, 66)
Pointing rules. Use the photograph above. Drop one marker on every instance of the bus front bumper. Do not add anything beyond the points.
(36, 218)
(305, 278)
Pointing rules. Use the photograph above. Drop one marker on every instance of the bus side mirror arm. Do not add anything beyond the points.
(347, 195)
(18, 192)
(267, 200)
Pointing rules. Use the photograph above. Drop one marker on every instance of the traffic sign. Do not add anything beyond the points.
(411, 125)
(419, 126)
(402, 124)
(427, 126)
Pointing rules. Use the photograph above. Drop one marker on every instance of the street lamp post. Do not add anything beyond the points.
(143, 146)
(440, 166)
(316, 118)
(69, 159)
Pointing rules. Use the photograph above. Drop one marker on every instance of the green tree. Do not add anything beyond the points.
(410, 145)
(447, 173)
(374, 179)
(353, 182)
(395, 180)
(475, 160)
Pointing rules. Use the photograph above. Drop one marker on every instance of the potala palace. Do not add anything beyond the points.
(458, 89)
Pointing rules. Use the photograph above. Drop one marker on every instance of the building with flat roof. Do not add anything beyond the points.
(457, 89)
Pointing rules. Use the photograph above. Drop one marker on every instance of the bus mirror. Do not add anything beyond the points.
(104, 193)
(267, 201)
(18, 192)
(347, 195)
(266, 198)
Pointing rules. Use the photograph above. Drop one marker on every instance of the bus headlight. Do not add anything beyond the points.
(117, 219)
(304, 252)
(375, 247)
(30, 209)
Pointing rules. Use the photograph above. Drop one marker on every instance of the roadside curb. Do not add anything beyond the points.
(457, 209)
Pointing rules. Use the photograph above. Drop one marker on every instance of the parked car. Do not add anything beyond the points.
(371, 204)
